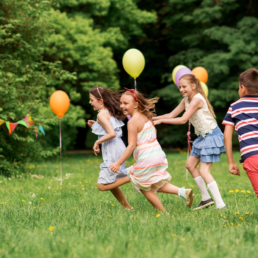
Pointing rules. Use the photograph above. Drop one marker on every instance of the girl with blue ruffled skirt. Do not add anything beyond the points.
(108, 128)
(209, 145)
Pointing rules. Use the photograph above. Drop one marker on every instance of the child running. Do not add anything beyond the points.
(148, 175)
(208, 147)
(108, 129)
(243, 115)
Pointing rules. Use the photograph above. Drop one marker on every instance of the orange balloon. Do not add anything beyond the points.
(59, 103)
(201, 74)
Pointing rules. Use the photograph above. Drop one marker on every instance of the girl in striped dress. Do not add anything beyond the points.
(148, 175)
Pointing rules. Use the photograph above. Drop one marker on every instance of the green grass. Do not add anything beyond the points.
(86, 224)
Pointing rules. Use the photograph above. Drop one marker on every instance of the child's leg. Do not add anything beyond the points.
(187, 194)
(211, 183)
(119, 182)
(191, 165)
(154, 200)
(119, 195)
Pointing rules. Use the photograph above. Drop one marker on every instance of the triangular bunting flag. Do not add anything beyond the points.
(7, 125)
(1, 121)
(22, 122)
(12, 127)
(41, 129)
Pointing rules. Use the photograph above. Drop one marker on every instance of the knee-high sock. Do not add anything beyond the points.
(202, 186)
(213, 187)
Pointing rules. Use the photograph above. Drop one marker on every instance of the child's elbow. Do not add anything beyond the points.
(113, 135)
(184, 121)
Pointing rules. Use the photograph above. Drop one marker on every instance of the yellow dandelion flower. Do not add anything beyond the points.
(182, 239)
(224, 226)
(1, 203)
(241, 218)
(42, 198)
(247, 213)
(51, 228)
(237, 213)
(248, 191)
(75, 185)
(74, 208)
(82, 170)
(191, 185)
(220, 215)
(80, 182)
(86, 182)
(23, 200)
(231, 191)
(238, 225)
(158, 215)
(112, 204)
(231, 224)
(173, 235)
(237, 190)
(243, 191)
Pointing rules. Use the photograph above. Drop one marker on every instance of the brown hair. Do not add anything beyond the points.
(249, 79)
(145, 106)
(111, 101)
(193, 80)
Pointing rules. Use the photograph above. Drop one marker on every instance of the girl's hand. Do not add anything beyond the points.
(96, 148)
(90, 123)
(233, 169)
(115, 167)
(157, 122)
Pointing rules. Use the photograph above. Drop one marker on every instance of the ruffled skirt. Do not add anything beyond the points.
(210, 147)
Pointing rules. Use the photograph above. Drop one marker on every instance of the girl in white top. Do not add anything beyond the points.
(208, 147)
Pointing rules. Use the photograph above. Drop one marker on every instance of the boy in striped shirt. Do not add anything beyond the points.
(243, 115)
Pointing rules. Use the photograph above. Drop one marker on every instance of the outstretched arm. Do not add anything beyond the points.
(195, 104)
(179, 109)
(233, 168)
(132, 139)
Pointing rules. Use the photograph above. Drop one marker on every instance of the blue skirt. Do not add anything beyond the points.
(210, 147)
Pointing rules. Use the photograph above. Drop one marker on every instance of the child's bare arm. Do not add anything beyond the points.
(233, 168)
(179, 109)
(132, 139)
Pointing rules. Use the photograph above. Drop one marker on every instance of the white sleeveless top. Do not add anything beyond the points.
(202, 120)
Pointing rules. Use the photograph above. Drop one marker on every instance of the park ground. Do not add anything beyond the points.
(40, 218)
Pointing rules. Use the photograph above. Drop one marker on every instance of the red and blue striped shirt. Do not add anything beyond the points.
(243, 114)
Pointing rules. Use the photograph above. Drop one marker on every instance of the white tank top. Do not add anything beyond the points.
(202, 120)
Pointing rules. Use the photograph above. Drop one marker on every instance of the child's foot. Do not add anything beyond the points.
(187, 194)
(204, 204)
(222, 208)
(188, 197)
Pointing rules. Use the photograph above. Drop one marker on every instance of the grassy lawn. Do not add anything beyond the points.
(39, 218)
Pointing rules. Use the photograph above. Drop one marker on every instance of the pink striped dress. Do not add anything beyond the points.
(149, 171)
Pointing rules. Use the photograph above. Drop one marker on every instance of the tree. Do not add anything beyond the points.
(26, 81)
(90, 38)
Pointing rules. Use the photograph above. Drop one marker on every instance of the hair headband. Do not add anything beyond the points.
(134, 95)
(99, 92)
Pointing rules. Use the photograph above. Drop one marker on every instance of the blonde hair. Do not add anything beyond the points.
(145, 106)
(193, 80)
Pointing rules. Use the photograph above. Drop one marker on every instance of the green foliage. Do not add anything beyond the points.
(203, 33)
(41, 219)
(26, 81)
(86, 35)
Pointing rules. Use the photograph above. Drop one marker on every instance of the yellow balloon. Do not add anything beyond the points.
(133, 62)
(175, 71)
(205, 88)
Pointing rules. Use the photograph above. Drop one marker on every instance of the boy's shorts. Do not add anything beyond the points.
(251, 169)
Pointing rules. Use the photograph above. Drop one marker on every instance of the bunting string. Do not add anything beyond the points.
(26, 122)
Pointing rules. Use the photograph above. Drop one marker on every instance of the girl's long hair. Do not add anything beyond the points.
(193, 80)
(145, 106)
(111, 101)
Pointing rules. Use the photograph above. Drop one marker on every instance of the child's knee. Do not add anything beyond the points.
(101, 187)
(188, 166)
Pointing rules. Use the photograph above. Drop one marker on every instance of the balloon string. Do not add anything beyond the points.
(60, 134)
(189, 149)
(135, 83)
